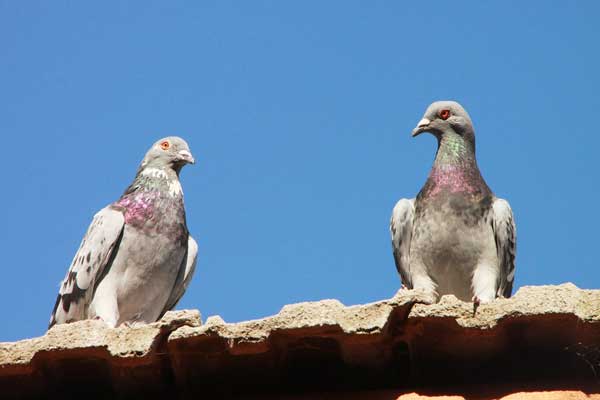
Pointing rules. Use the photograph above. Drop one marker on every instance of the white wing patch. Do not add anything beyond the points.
(186, 271)
(401, 232)
(94, 254)
(505, 234)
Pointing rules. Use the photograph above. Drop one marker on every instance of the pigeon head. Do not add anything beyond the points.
(169, 152)
(445, 118)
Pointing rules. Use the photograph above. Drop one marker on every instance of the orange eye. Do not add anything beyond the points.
(165, 145)
(444, 114)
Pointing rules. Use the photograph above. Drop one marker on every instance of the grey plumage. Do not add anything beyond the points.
(455, 237)
(137, 257)
(184, 277)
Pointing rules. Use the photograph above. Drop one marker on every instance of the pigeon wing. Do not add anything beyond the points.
(184, 277)
(401, 231)
(505, 234)
(97, 250)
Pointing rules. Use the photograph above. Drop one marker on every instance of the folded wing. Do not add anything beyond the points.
(401, 232)
(186, 271)
(505, 234)
(96, 252)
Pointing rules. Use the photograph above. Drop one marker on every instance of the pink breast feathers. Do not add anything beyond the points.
(139, 208)
(452, 178)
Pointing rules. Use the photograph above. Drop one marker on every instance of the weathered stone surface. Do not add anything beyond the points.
(122, 342)
(547, 334)
(528, 301)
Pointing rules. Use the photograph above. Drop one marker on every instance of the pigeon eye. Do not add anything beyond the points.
(165, 145)
(444, 114)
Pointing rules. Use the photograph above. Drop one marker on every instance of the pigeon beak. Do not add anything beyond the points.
(422, 126)
(186, 156)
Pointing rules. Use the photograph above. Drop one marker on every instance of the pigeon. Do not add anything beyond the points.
(137, 258)
(456, 237)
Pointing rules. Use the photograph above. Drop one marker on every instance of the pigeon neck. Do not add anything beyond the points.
(455, 169)
(453, 150)
(156, 179)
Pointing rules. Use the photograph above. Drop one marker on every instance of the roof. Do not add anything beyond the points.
(544, 334)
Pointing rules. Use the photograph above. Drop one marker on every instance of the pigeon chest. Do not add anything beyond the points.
(452, 231)
(156, 214)
(152, 249)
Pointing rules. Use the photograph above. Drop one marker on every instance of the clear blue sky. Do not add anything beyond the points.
(299, 115)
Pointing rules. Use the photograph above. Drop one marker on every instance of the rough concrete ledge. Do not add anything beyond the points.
(120, 343)
(545, 336)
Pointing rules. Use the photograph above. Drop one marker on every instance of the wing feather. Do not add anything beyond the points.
(401, 231)
(184, 277)
(505, 234)
(96, 251)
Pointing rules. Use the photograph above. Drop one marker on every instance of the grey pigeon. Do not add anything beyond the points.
(137, 257)
(456, 237)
